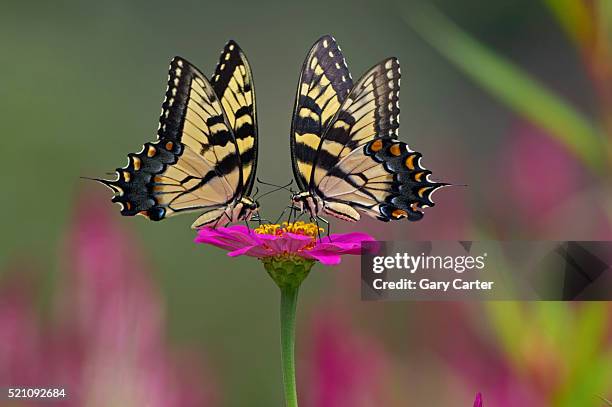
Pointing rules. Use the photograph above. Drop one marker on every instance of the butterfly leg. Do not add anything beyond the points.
(296, 213)
(219, 220)
(315, 220)
(259, 219)
(290, 213)
(328, 225)
(283, 214)
(256, 218)
(221, 217)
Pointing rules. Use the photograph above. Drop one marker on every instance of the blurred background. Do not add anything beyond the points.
(513, 98)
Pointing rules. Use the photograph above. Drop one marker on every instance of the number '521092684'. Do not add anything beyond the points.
(35, 392)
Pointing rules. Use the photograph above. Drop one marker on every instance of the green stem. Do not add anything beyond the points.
(289, 296)
(288, 272)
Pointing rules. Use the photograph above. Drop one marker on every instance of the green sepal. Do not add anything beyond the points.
(287, 271)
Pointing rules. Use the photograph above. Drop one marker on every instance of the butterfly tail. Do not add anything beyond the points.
(412, 189)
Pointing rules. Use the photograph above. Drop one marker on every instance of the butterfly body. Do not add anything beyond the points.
(346, 157)
(205, 155)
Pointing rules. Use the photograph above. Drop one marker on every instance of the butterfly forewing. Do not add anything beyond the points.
(193, 165)
(324, 84)
(233, 84)
(370, 110)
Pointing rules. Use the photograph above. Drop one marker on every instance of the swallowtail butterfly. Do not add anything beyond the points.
(205, 155)
(344, 148)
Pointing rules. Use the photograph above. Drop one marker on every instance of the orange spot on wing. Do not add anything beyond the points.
(422, 191)
(127, 176)
(410, 162)
(395, 150)
(376, 145)
(169, 146)
(136, 161)
(399, 213)
(151, 151)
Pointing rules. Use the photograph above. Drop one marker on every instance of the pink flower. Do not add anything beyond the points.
(478, 401)
(347, 368)
(538, 183)
(105, 343)
(297, 239)
(476, 359)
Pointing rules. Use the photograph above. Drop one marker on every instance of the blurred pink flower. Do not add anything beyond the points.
(539, 172)
(346, 368)
(478, 401)
(298, 239)
(20, 340)
(539, 186)
(106, 343)
(447, 330)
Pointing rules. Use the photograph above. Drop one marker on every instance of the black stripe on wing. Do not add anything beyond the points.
(194, 147)
(233, 84)
(324, 84)
(371, 110)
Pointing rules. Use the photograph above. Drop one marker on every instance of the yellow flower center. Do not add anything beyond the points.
(299, 228)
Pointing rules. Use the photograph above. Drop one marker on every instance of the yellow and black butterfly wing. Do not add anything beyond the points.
(233, 84)
(193, 165)
(370, 110)
(360, 164)
(324, 84)
(383, 178)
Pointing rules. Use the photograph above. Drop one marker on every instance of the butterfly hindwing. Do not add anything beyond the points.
(324, 84)
(193, 165)
(233, 84)
(383, 178)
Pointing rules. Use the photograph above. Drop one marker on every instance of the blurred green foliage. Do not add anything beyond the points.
(513, 86)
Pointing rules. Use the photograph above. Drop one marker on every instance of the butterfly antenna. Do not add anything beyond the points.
(278, 187)
(274, 185)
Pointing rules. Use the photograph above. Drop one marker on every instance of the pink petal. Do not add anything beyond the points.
(253, 251)
(288, 243)
(353, 237)
(325, 258)
(227, 238)
(297, 242)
